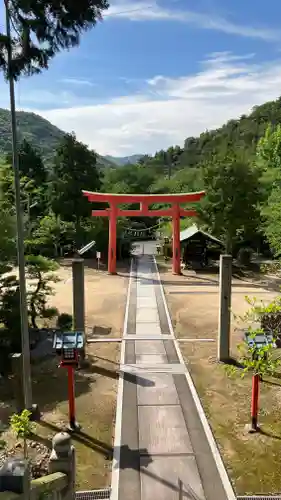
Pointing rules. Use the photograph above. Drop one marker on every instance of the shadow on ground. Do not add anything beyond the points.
(129, 458)
(129, 377)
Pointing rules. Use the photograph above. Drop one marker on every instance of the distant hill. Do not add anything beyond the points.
(124, 160)
(39, 132)
(240, 135)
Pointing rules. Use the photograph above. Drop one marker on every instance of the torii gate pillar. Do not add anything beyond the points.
(112, 239)
(176, 240)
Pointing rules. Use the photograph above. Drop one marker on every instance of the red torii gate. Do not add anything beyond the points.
(145, 200)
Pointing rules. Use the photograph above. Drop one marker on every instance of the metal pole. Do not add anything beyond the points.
(20, 233)
(71, 397)
(254, 403)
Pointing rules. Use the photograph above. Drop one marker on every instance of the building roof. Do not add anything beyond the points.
(186, 234)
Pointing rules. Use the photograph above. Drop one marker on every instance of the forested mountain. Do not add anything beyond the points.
(241, 136)
(35, 129)
(124, 160)
(39, 133)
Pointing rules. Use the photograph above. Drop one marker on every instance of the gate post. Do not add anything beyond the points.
(112, 239)
(224, 307)
(176, 240)
(78, 294)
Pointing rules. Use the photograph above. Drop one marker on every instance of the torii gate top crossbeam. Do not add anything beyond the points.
(147, 199)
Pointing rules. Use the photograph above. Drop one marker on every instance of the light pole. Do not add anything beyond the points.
(26, 377)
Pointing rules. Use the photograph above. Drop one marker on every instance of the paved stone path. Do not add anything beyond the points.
(162, 436)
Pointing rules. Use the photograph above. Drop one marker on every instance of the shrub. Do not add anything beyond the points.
(64, 321)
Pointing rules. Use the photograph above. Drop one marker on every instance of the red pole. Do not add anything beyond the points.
(176, 240)
(71, 397)
(112, 239)
(255, 402)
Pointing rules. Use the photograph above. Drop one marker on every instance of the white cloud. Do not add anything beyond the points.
(77, 81)
(172, 109)
(152, 11)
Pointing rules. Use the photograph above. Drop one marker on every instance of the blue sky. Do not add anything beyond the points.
(155, 72)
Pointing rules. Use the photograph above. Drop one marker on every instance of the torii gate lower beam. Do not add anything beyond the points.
(175, 211)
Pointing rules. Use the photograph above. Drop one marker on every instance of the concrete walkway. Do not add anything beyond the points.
(162, 436)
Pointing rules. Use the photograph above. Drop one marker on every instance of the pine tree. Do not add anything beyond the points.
(74, 170)
(41, 29)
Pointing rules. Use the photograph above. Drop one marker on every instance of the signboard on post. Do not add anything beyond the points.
(98, 254)
(86, 247)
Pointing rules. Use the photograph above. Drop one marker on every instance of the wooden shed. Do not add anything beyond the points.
(196, 243)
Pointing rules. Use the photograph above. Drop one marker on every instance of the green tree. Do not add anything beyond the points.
(22, 426)
(42, 29)
(7, 226)
(271, 212)
(33, 181)
(52, 236)
(269, 148)
(230, 208)
(268, 160)
(32, 199)
(128, 179)
(74, 170)
(30, 163)
(7, 236)
(40, 271)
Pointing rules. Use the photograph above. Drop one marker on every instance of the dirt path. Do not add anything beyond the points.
(194, 302)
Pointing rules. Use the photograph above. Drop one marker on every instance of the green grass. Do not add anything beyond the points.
(252, 460)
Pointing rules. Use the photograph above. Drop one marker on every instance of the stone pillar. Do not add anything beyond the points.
(78, 288)
(78, 294)
(62, 459)
(224, 307)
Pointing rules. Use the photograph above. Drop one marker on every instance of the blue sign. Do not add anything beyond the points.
(259, 340)
(69, 340)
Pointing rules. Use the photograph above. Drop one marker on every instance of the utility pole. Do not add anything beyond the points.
(20, 230)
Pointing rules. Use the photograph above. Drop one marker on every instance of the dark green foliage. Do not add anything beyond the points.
(244, 256)
(52, 236)
(128, 179)
(30, 163)
(41, 271)
(240, 135)
(272, 220)
(64, 321)
(230, 208)
(39, 133)
(42, 29)
(74, 170)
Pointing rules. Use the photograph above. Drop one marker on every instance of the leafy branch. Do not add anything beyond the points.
(22, 426)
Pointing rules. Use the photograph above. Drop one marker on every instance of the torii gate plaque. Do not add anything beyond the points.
(145, 200)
